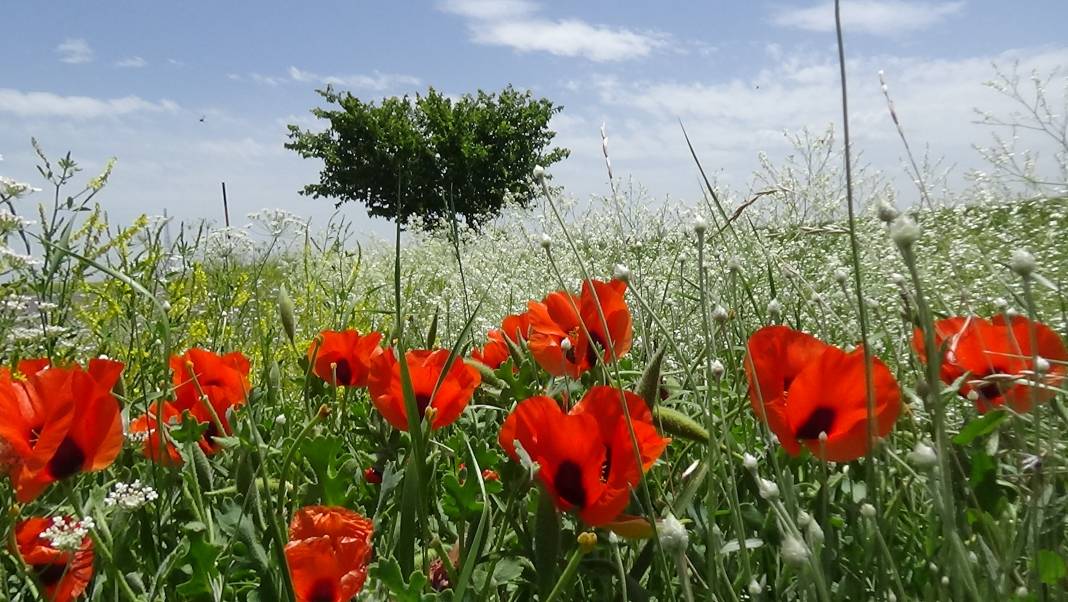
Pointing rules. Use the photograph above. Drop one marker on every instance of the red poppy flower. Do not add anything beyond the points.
(424, 368)
(802, 387)
(328, 552)
(59, 422)
(586, 456)
(222, 379)
(494, 352)
(149, 424)
(346, 354)
(372, 475)
(558, 338)
(997, 355)
(516, 327)
(63, 575)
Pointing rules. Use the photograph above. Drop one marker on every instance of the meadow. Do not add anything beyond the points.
(748, 398)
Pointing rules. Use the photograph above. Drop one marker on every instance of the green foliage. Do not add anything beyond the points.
(443, 157)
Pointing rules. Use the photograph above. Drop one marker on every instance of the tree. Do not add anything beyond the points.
(440, 157)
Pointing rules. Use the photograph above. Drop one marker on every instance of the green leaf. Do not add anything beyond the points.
(546, 543)
(388, 573)
(1050, 567)
(323, 454)
(980, 427)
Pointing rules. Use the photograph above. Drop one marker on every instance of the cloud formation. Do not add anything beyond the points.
(875, 17)
(376, 81)
(47, 104)
(516, 24)
(133, 62)
(75, 51)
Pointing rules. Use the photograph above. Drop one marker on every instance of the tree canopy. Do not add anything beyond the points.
(440, 156)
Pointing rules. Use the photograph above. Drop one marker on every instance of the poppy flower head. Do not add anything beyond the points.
(804, 389)
(345, 355)
(425, 367)
(998, 356)
(63, 574)
(586, 456)
(328, 552)
(516, 327)
(569, 333)
(221, 379)
(148, 426)
(64, 420)
(494, 352)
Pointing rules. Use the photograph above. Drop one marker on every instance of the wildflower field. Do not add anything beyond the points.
(606, 401)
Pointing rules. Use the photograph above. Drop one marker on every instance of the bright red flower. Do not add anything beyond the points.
(222, 379)
(802, 387)
(424, 368)
(59, 422)
(558, 338)
(586, 456)
(328, 552)
(494, 352)
(516, 327)
(347, 354)
(63, 575)
(372, 475)
(997, 354)
(149, 425)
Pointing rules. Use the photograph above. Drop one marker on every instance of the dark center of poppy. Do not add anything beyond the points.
(67, 460)
(568, 483)
(422, 401)
(323, 590)
(819, 421)
(988, 391)
(591, 351)
(49, 574)
(343, 372)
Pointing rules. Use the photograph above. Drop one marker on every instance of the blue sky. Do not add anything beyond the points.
(132, 80)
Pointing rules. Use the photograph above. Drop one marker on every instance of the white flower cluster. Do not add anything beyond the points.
(130, 496)
(10, 189)
(67, 534)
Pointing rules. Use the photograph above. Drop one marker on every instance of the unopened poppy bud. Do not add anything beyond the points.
(1023, 263)
(274, 376)
(539, 173)
(973, 396)
(922, 456)
(717, 369)
(897, 279)
(565, 344)
(840, 276)
(1001, 304)
(749, 461)
(546, 241)
(904, 231)
(887, 212)
(1041, 365)
(719, 314)
(673, 537)
(1021, 592)
(1012, 312)
(734, 265)
(280, 419)
(699, 225)
(794, 551)
(774, 309)
(867, 511)
(803, 519)
(815, 532)
(324, 411)
(768, 489)
(620, 272)
(754, 588)
(587, 540)
(945, 580)
(287, 312)
(166, 305)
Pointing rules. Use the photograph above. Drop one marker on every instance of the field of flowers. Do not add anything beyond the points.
(609, 400)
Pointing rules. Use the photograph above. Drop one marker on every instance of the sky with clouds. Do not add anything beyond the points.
(189, 94)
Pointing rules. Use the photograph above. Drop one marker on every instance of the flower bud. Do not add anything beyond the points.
(840, 276)
(768, 489)
(718, 370)
(887, 212)
(539, 173)
(922, 456)
(867, 511)
(774, 310)
(719, 314)
(754, 588)
(546, 241)
(734, 265)
(699, 225)
(794, 551)
(904, 231)
(287, 312)
(1023, 263)
(620, 272)
(749, 461)
(1041, 365)
(673, 537)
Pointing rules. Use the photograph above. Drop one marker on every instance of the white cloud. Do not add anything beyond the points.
(515, 24)
(876, 17)
(47, 104)
(75, 51)
(133, 62)
(377, 81)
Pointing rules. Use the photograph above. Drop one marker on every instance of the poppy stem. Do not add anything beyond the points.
(564, 582)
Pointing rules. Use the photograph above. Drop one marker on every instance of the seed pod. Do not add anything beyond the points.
(288, 314)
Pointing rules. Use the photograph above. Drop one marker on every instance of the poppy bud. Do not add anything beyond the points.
(717, 369)
(774, 310)
(719, 314)
(1021, 592)
(815, 533)
(749, 461)
(904, 231)
(539, 173)
(620, 272)
(922, 456)
(287, 312)
(768, 489)
(887, 213)
(587, 540)
(1041, 365)
(867, 511)
(699, 225)
(673, 537)
(794, 551)
(1023, 263)
(546, 241)
(755, 588)
(734, 265)
(803, 519)
(840, 276)
(945, 580)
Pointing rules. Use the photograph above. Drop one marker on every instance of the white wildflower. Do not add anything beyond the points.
(130, 496)
(66, 534)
